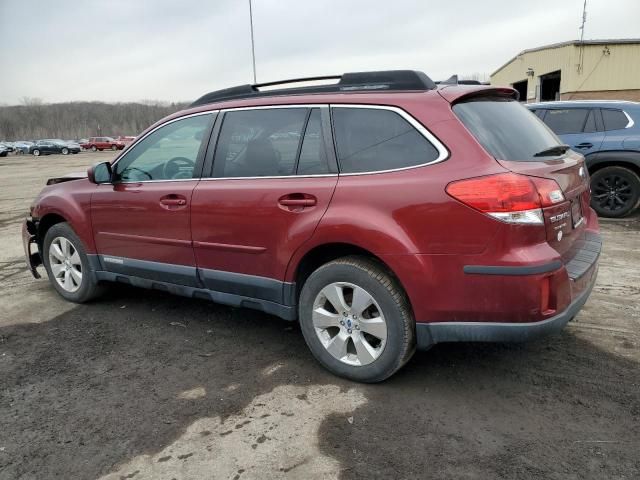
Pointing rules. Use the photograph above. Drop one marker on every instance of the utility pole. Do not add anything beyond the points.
(584, 20)
(253, 48)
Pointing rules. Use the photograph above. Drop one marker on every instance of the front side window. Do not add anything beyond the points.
(259, 143)
(169, 153)
(614, 119)
(569, 120)
(369, 140)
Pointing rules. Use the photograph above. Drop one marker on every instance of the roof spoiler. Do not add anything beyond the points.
(389, 80)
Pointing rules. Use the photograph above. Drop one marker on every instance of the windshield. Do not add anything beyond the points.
(506, 129)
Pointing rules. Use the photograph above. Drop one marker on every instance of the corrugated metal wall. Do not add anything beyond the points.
(616, 67)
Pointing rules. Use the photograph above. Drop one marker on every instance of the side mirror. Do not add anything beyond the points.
(100, 173)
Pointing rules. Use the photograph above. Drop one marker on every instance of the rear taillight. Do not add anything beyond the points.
(509, 197)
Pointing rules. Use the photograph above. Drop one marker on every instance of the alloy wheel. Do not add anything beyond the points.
(349, 323)
(612, 192)
(65, 263)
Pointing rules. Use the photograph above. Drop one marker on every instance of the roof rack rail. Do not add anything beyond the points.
(390, 80)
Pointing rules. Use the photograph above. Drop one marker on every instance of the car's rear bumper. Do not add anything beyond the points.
(428, 334)
(29, 229)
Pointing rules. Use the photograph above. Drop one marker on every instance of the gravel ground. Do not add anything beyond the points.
(145, 385)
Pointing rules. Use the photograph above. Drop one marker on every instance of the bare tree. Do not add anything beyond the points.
(34, 119)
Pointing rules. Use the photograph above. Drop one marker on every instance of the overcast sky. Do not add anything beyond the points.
(176, 50)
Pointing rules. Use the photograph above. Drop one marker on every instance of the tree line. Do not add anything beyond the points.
(74, 120)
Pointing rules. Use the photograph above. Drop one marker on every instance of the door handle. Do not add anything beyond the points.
(296, 202)
(584, 145)
(173, 201)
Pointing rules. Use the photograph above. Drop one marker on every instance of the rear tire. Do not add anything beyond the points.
(67, 265)
(65, 151)
(615, 191)
(347, 340)
(114, 147)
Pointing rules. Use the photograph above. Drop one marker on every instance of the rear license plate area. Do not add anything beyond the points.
(576, 213)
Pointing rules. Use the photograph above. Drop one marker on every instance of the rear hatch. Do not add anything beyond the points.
(521, 143)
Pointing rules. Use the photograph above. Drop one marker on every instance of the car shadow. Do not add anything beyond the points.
(556, 408)
(102, 384)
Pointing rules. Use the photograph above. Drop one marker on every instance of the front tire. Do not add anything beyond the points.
(356, 319)
(94, 148)
(615, 191)
(114, 147)
(65, 151)
(67, 265)
(36, 153)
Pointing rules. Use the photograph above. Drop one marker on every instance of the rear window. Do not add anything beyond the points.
(505, 128)
(614, 119)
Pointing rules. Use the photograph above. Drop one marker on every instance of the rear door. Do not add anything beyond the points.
(580, 128)
(272, 178)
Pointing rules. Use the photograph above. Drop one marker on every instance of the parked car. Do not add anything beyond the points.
(102, 143)
(8, 146)
(383, 213)
(125, 138)
(73, 144)
(607, 133)
(4, 151)
(47, 147)
(22, 146)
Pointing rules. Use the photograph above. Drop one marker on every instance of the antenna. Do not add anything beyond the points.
(253, 48)
(584, 20)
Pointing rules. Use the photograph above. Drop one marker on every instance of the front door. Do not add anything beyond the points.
(141, 221)
(272, 180)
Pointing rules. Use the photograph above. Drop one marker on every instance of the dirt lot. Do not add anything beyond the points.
(145, 385)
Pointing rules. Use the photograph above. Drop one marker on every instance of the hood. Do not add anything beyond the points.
(66, 178)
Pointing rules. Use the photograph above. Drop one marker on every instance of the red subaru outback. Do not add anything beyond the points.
(382, 212)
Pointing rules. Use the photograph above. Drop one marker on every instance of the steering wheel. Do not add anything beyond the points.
(178, 167)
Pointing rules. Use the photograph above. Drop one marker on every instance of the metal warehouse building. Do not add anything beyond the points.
(591, 69)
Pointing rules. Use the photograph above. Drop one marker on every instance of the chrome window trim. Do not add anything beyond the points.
(631, 122)
(443, 153)
(138, 140)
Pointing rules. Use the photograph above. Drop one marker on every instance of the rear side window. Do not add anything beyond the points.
(505, 128)
(259, 143)
(369, 140)
(569, 120)
(614, 119)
